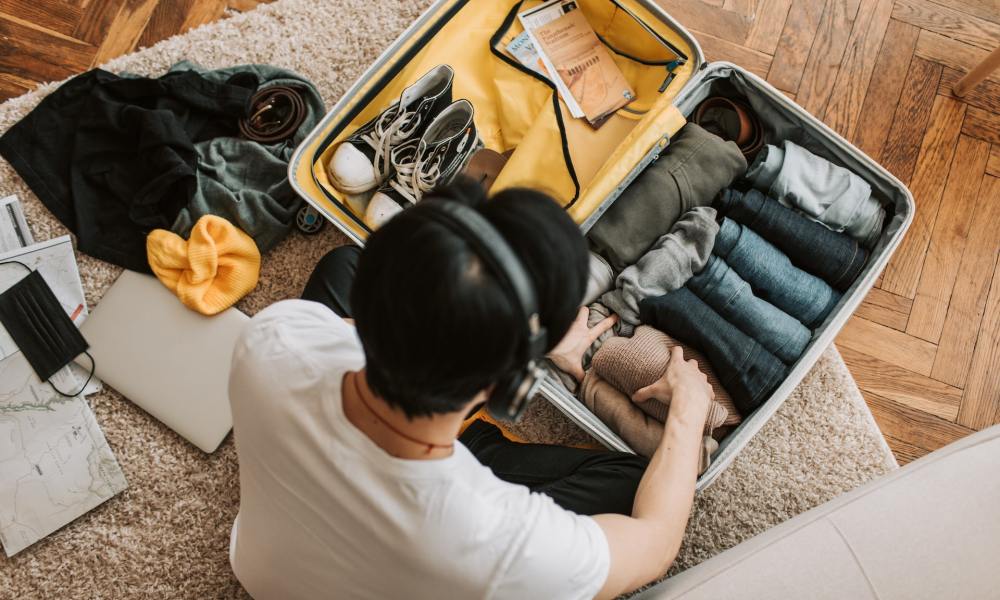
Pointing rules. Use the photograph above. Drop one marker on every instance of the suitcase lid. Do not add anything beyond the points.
(639, 33)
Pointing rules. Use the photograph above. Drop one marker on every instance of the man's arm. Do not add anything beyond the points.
(643, 546)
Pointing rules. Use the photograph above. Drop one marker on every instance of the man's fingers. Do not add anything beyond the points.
(677, 353)
(597, 330)
(582, 315)
(643, 394)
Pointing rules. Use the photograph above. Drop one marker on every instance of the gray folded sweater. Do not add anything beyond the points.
(243, 181)
(667, 266)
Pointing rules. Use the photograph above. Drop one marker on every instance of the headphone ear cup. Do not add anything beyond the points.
(503, 397)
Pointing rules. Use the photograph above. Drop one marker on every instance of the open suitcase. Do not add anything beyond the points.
(585, 169)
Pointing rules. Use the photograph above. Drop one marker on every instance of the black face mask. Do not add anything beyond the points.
(40, 327)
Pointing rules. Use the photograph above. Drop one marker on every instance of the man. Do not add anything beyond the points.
(355, 480)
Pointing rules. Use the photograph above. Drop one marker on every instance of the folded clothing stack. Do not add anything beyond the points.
(640, 431)
(631, 364)
(694, 169)
(772, 275)
(834, 257)
(624, 365)
(750, 309)
(744, 276)
(745, 368)
(719, 286)
(826, 192)
(672, 260)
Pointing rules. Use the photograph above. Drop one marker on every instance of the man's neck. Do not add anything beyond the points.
(420, 438)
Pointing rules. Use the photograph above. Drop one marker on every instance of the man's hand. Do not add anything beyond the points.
(568, 354)
(684, 387)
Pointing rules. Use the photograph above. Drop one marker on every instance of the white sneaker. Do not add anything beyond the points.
(441, 153)
(361, 162)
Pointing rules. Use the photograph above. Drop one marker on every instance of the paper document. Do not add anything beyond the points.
(583, 65)
(82, 373)
(523, 49)
(55, 260)
(14, 231)
(55, 464)
(534, 18)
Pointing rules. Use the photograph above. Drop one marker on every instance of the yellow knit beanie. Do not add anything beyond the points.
(215, 267)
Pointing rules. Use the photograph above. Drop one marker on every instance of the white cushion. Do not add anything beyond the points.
(930, 530)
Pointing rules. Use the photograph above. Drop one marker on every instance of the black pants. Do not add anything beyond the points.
(587, 482)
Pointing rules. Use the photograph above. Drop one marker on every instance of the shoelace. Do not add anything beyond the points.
(416, 175)
(391, 128)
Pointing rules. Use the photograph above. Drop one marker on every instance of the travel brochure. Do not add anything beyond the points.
(560, 44)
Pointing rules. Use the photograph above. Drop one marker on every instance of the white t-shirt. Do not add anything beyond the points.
(326, 513)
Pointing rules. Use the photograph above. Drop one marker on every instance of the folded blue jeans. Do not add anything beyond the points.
(745, 368)
(726, 292)
(772, 276)
(835, 257)
(826, 192)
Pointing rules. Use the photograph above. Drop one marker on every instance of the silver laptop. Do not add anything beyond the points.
(168, 359)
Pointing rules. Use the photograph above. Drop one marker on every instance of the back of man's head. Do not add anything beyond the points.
(435, 323)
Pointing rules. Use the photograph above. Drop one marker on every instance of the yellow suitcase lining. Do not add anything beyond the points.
(520, 111)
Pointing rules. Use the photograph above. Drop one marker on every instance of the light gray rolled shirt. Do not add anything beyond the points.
(667, 266)
(822, 190)
(599, 280)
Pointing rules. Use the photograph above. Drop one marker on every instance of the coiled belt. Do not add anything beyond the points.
(732, 120)
(275, 114)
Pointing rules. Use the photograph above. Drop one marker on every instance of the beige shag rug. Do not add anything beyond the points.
(167, 535)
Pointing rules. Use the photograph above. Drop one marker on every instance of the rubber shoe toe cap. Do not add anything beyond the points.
(381, 208)
(351, 171)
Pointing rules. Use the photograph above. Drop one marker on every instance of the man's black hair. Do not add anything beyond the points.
(435, 324)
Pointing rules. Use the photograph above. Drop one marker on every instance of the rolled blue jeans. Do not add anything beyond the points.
(772, 276)
(726, 292)
(826, 192)
(745, 368)
(835, 257)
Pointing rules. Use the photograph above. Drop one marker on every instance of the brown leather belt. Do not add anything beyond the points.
(732, 120)
(275, 114)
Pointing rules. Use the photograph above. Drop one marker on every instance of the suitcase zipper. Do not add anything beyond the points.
(651, 155)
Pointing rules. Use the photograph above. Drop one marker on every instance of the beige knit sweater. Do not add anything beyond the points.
(640, 431)
(630, 364)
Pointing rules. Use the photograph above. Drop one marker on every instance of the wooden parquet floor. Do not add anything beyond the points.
(925, 345)
(48, 40)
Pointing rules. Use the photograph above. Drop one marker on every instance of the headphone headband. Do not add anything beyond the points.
(490, 246)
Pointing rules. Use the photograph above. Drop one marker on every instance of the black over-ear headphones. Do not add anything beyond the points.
(511, 393)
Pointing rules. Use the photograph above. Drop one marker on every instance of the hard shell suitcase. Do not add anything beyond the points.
(585, 169)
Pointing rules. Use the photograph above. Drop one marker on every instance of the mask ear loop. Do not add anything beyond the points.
(93, 364)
